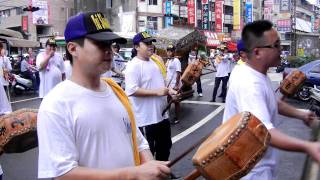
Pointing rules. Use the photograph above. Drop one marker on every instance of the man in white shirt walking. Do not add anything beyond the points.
(86, 127)
(251, 90)
(146, 87)
(51, 68)
(222, 74)
(173, 65)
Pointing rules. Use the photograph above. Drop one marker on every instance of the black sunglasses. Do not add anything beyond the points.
(276, 45)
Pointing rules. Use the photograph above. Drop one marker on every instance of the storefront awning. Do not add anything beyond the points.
(10, 33)
(215, 39)
(182, 38)
(17, 42)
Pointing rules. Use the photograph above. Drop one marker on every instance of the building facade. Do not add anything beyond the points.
(49, 20)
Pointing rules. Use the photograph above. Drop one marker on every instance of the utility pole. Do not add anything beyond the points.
(293, 28)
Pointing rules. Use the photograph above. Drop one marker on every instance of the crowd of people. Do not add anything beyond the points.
(90, 128)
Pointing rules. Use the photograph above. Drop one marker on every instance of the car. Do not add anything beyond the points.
(126, 53)
(312, 72)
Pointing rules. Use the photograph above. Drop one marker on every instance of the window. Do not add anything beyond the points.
(315, 69)
(19, 11)
(153, 2)
(152, 23)
(108, 3)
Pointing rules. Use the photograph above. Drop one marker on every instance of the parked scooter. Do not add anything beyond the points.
(21, 85)
(314, 104)
(284, 63)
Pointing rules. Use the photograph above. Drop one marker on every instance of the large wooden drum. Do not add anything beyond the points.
(192, 73)
(18, 131)
(233, 149)
(291, 84)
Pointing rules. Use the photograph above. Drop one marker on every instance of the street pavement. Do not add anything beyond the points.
(198, 118)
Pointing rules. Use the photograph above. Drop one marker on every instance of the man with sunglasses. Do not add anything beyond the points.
(85, 125)
(146, 87)
(251, 90)
(51, 68)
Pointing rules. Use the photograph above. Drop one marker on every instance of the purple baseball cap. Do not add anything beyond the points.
(240, 46)
(143, 37)
(91, 25)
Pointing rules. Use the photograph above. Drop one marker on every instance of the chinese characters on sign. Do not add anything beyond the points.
(248, 11)
(218, 15)
(284, 5)
(205, 15)
(236, 15)
(41, 16)
(284, 25)
(168, 21)
(268, 5)
(191, 12)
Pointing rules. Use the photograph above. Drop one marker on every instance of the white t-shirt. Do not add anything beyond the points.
(173, 66)
(51, 75)
(145, 75)
(4, 64)
(68, 69)
(80, 127)
(223, 68)
(24, 66)
(252, 91)
(5, 106)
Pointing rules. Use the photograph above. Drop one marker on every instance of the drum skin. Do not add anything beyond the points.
(290, 85)
(233, 149)
(192, 73)
(18, 131)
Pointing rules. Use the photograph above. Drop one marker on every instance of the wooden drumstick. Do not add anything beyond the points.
(193, 175)
(188, 150)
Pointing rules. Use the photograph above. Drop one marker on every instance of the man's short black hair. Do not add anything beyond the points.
(252, 34)
(78, 41)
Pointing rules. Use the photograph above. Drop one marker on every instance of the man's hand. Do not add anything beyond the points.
(313, 149)
(153, 170)
(50, 53)
(162, 91)
(307, 116)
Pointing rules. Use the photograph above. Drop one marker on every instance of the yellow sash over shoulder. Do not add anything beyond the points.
(125, 101)
(162, 67)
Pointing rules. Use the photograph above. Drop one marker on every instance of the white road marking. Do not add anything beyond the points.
(25, 100)
(211, 84)
(200, 123)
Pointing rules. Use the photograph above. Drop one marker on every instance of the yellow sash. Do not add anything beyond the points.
(161, 66)
(125, 101)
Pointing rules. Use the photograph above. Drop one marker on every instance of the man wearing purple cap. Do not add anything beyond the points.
(145, 85)
(86, 127)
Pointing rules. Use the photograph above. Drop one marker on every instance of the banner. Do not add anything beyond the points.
(212, 39)
(284, 25)
(191, 12)
(205, 14)
(284, 5)
(24, 22)
(267, 12)
(168, 21)
(248, 11)
(236, 15)
(219, 16)
(40, 16)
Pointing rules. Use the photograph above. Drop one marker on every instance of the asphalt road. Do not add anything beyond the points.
(199, 117)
